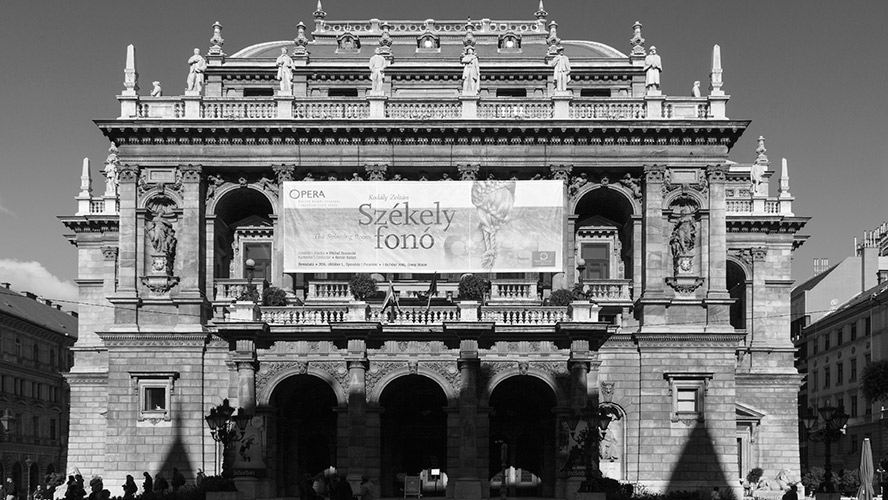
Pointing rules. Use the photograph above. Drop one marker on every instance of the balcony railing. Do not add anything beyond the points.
(759, 205)
(502, 290)
(607, 291)
(307, 314)
(525, 315)
(230, 289)
(413, 315)
(419, 108)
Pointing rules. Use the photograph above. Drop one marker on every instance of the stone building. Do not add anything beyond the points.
(679, 329)
(836, 347)
(35, 341)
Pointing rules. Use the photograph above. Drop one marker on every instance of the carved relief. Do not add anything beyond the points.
(376, 172)
(268, 371)
(683, 241)
(284, 173)
(607, 392)
(448, 370)
(109, 253)
(633, 184)
(717, 173)
(128, 173)
(214, 182)
(561, 172)
(161, 234)
(378, 370)
(654, 173)
(337, 369)
(190, 173)
(468, 172)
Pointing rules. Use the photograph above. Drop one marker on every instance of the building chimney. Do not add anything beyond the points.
(6, 285)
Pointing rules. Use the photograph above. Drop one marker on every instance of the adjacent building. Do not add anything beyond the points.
(416, 152)
(36, 336)
(844, 338)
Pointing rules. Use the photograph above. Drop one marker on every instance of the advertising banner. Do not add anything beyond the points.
(423, 227)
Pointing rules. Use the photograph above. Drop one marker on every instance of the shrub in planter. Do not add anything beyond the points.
(274, 296)
(472, 287)
(754, 475)
(361, 285)
(561, 297)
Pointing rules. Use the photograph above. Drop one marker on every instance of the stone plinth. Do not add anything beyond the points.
(469, 106)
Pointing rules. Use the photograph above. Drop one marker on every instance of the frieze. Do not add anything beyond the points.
(269, 370)
(141, 339)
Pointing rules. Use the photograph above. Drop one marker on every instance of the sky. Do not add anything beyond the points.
(810, 74)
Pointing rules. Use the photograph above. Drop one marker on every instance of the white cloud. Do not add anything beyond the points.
(4, 210)
(33, 277)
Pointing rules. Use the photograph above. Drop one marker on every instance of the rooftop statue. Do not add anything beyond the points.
(562, 70)
(471, 73)
(197, 67)
(285, 72)
(156, 91)
(652, 68)
(695, 91)
(378, 63)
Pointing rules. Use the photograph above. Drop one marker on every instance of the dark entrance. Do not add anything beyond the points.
(306, 428)
(414, 432)
(522, 418)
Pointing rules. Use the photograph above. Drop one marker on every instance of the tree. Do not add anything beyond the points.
(874, 381)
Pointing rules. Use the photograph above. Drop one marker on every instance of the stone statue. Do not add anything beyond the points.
(608, 448)
(695, 91)
(684, 236)
(756, 178)
(156, 91)
(198, 65)
(285, 72)
(378, 63)
(652, 68)
(163, 239)
(111, 172)
(356, 177)
(780, 483)
(471, 73)
(562, 70)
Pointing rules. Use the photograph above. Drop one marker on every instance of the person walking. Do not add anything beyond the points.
(147, 486)
(129, 488)
(160, 484)
(178, 480)
(9, 490)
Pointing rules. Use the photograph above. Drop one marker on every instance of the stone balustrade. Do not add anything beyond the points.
(308, 314)
(230, 289)
(759, 205)
(608, 291)
(328, 291)
(525, 315)
(418, 108)
(413, 315)
(502, 290)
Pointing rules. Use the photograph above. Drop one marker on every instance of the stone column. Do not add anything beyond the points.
(126, 298)
(717, 298)
(357, 409)
(653, 299)
(191, 245)
(245, 360)
(467, 484)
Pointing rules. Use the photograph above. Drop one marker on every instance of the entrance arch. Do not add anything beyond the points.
(522, 417)
(413, 428)
(305, 408)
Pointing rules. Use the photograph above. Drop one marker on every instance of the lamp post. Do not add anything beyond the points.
(828, 428)
(226, 428)
(579, 291)
(597, 422)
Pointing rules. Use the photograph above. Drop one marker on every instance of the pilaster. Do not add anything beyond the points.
(127, 296)
(377, 106)
(357, 409)
(244, 358)
(561, 105)
(718, 301)
(467, 484)
(653, 299)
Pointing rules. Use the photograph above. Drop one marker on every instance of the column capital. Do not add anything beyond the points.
(109, 253)
(127, 173)
(654, 173)
(561, 172)
(190, 173)
(717, 173)
(284, 173)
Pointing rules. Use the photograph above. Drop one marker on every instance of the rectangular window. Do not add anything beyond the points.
(261, 255)
(826, 341)
(853, 375)
(342, 92)
(688, 392)
(52, 429)
(826, 377)
(867, 325)
(597, 257)
(853, 406)
(35, 427)
(18, 348)
(814, 381)
(595, 93)
(814, 343)
(840, 373)
(511, 92)
(155, 391)
(840, 333)
(853, 334)
(258, 92)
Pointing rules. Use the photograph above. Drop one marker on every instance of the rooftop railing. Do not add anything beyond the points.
(419, 108)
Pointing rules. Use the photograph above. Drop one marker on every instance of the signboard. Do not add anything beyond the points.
(423, 227)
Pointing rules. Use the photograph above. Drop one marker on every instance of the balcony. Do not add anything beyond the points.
(419, 108)
(230, 289)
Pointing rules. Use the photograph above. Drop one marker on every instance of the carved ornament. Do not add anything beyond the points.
(128, 173)
(109, 253)
(633, 184)
(468, 172)
(337, 369)
(190, 173)
(447, 370)
(654, 173)
(717, 173)
(269, 370)
(607, 392)
(377, 371)
(300, 42)
(284, 173)
(561, 172)
(376, 172)
(759, 253)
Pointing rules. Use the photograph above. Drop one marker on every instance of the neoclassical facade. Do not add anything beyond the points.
(682, 257)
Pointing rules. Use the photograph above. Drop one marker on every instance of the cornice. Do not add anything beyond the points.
(143, 339)
(86, 378)
(426, 132)
(722, 340)
(771, 379)
(91, 223)
(765, 224)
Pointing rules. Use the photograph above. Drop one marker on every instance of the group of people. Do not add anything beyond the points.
(157, 486)
(333, 487)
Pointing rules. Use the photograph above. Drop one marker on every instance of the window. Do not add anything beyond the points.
(853, 406)
(867, 359)
(342, 92)
(35, 353)
(826, 341)
(826, 377)
(155, 390)
(815, 346)
(867, 325)
(840, 333)
(52, 429)
(840, 372)
(258, 92)
(52, 358)
(18, 348)
(511, 92)
(597, 257)
(261, 255)
(854, 330)
(814, 381)
(688, 392)
(595, 93)
(853, 375)
(868, 407)
(35, 427)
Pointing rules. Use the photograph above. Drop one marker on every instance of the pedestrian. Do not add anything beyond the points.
(178, 480)
(129, 488)
(366, 488)
(147, 485)
(9, 491)
(160, 484)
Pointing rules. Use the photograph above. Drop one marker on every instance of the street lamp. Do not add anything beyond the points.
(226, 428)
(251, 292)
(827, 431)
(579, 291)
(28, 479)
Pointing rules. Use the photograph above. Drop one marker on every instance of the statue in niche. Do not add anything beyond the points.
(378, 63)
(156, 91)
(683, 240)
(471, 72)
(609, 447)
(197, 67)
(562, 70)
(652, 68)
(163, 239)
(285, 72)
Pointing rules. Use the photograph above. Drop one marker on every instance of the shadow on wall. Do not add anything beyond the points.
(177, 454)
(699, 467)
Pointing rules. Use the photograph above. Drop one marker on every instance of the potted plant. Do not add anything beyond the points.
(470, 294)
(361, 286)
(561, 297)
(274, 296)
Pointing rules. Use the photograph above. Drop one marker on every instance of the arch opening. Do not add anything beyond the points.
(522, 419)
(306, 432)
(413, 428)
(243, 230)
